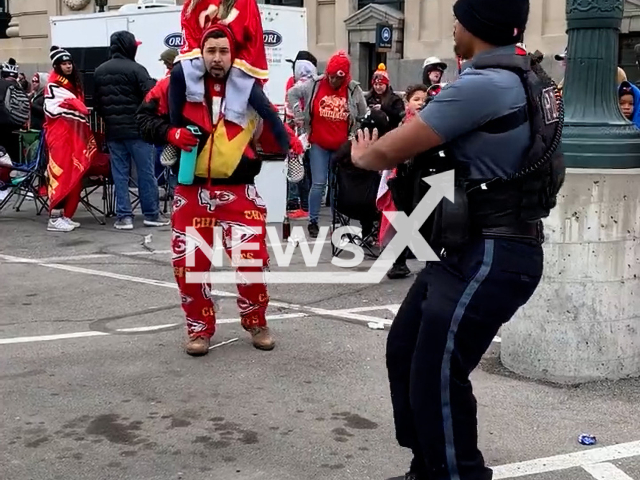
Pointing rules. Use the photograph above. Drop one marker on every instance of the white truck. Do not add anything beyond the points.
(157, 26)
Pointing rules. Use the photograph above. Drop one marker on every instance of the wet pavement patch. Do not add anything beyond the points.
(179, 423)
(108, 427)
(354, 421)
(37, 442)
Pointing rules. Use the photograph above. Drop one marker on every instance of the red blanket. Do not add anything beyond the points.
(70, 142)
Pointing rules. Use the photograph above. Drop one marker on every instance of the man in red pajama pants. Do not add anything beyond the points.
(222, 195)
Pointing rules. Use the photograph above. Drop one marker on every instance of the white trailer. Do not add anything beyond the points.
(158, 28)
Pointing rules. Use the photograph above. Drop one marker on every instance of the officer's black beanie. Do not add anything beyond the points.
(497, 22)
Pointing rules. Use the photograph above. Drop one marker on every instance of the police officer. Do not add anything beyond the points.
(457, 305)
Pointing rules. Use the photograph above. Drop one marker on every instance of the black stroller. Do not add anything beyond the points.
(353, 197)
(354, 192)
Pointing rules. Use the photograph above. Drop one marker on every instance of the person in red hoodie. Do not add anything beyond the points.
(329, 108)
(223, 193)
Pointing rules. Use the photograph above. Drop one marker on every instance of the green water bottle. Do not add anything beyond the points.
(187, 169)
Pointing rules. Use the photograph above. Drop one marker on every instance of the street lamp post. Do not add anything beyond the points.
(583, 323)
(596, 135)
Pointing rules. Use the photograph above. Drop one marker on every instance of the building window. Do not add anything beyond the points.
(284, 3)
(397, 4)
(4, 18)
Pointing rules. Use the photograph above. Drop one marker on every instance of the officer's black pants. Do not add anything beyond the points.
(443, 328)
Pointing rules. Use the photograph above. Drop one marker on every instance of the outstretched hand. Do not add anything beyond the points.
(359, 146)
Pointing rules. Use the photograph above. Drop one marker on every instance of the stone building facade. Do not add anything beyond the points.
(421, 28)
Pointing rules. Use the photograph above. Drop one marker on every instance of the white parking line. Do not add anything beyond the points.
(348, 314)
(393, 308)
(606, 471)
(93, 333)
(570, 460)
(88, 271)
(172, 285)
(46, 338)
(94, 256)
(143, 253)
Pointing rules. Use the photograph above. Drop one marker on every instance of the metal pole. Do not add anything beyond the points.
(596, 134)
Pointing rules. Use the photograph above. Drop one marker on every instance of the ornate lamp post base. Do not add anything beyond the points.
(604, 146)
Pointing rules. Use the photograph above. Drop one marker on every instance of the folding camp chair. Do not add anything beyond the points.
(27, 178)
(99, 177)
(164, 181)
(353, 197)
(95, 180)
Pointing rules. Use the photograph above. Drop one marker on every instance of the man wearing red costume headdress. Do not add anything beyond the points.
(223, 192)
(242, 17)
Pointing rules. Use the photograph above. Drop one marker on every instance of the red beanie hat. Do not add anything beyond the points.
(339, 64)
(227, 32)
(381, 75)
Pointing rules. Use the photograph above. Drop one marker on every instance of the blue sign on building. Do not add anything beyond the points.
(384, 37)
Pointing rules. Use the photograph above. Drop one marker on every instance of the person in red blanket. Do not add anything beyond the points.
(223, 193)
(69, 139)
(242, 17)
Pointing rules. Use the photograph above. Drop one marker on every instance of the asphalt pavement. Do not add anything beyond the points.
(94, 383)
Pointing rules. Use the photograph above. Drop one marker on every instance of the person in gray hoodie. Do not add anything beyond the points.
(298, 193)
(328, 108)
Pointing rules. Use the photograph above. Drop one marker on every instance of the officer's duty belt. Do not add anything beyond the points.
(525, 231)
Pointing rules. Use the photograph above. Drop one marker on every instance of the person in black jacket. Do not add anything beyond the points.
(14, 116)
(382, 97)
(120, 87)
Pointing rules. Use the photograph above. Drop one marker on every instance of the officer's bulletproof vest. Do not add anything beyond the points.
(526, 196)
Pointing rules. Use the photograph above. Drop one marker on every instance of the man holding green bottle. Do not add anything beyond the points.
(218, 191)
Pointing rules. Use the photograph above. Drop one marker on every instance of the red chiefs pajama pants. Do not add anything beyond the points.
(241, 215)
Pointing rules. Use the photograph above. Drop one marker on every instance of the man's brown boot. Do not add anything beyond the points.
(198, 346)
(262, 339)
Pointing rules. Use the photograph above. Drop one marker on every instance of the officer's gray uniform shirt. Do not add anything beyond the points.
(476, 97)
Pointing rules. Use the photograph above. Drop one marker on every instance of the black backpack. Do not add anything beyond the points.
(543, 166)
(16, 103)
(539, 179)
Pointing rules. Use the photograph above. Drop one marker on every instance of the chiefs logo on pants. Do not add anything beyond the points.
(240, 213)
